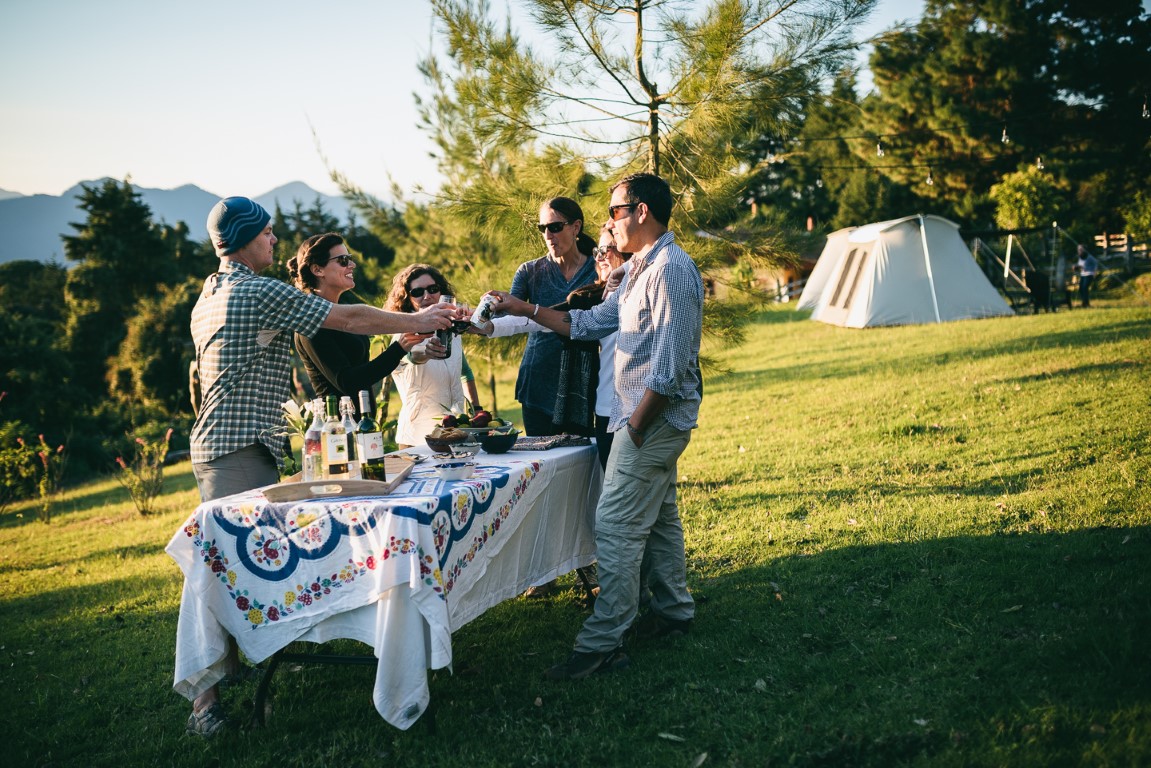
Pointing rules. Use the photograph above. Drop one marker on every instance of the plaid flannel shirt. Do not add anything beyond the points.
(242, 326)
(659, 316)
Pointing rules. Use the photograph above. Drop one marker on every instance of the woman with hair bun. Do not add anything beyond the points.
(337, 362)
(547, 281)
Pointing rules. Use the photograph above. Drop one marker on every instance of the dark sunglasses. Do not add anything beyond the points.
(602, 251)
(343, 259)
(554, 227)
(417, 293)
(611, 209)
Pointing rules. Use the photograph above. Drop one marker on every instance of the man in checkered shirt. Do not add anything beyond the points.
(242, 326)
(658, 313)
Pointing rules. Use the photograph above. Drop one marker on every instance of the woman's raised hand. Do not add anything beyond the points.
(409, 340)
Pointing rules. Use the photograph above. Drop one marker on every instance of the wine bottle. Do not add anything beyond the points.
(313, 452)
(445, 336)
(347, 411)
(369, 441)
(334, 443)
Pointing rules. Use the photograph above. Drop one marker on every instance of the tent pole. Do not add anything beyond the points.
(1007, 257)
(927, 263)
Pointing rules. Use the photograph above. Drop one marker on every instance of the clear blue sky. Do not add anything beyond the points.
(223, 94)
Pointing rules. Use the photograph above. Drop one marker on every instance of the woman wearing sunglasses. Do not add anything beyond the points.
(429, 382)
(337, 362)
(547, 281)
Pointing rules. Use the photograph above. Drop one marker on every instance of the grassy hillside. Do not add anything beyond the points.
(910, 546)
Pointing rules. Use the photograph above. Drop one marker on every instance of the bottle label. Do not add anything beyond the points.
(335, 453)
(370, 447)
(483, 312)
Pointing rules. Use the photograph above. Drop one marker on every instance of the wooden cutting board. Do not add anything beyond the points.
(397, 468)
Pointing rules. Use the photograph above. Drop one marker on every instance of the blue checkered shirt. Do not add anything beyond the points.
(659, 315)
(242, 327)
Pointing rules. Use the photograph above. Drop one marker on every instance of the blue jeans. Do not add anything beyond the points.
(1085, 282)
(637, 511)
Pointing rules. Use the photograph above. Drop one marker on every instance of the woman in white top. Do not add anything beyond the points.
(430, 382)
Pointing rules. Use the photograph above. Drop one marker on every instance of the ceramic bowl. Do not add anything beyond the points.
(455, 470)
(499, 442)
(439, 445)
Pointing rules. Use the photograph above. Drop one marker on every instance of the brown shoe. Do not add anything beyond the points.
(581, 665)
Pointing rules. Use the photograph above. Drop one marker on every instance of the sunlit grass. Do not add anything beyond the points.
(911, 546)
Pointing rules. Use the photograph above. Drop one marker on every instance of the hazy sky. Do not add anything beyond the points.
(223, 94)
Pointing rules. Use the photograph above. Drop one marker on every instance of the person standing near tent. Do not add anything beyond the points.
(1087, 268)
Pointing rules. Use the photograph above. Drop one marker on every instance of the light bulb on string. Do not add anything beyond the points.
(1146, 113)
(879, 147)
(1039, 163)
(819, 183)
(1005, 138)
(930, 181)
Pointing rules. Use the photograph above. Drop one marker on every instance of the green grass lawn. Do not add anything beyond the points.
(925, 545)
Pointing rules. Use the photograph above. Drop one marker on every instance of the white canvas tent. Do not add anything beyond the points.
(900, 272)
(826, 263)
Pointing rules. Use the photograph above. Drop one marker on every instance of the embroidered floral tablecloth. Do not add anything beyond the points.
(399, 573)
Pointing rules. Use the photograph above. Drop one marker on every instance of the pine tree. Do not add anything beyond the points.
(980, 87)
(677, 88)
(120, 256)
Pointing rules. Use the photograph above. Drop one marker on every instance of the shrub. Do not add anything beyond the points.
(52, 465)
(144, 476)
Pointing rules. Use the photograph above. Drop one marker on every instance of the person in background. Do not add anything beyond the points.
(429, 381)
(337, 362)
(242, 326)
(1087, 267)
(659, 317)
(612, 267)
(545, 281)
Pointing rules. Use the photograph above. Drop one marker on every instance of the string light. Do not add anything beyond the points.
(1039, 163)
(879, 144)
(1146, 114)
(819, 183)
(930, 181)
(1005, 138)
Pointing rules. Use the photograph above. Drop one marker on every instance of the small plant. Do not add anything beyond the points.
(144, 477)
(17, 472)
(52, 464)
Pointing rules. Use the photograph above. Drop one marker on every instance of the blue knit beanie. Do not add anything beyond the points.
(234, 222)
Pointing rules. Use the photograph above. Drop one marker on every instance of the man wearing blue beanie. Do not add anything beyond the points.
(242, 326)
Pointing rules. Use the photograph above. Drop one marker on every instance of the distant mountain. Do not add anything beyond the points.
(31, 226)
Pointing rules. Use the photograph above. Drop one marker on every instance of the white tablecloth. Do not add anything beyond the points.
(399, 572)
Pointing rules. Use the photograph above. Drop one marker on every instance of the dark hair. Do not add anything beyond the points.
(312, 252)
(651, 190)
(607, 228)
(571, 211)
(398, 298)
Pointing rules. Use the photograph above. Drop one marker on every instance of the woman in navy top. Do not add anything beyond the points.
(545, 281)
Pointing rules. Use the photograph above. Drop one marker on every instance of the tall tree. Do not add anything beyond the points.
(120, 255)
(980, 86)
(33, 366)
(679, 88)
